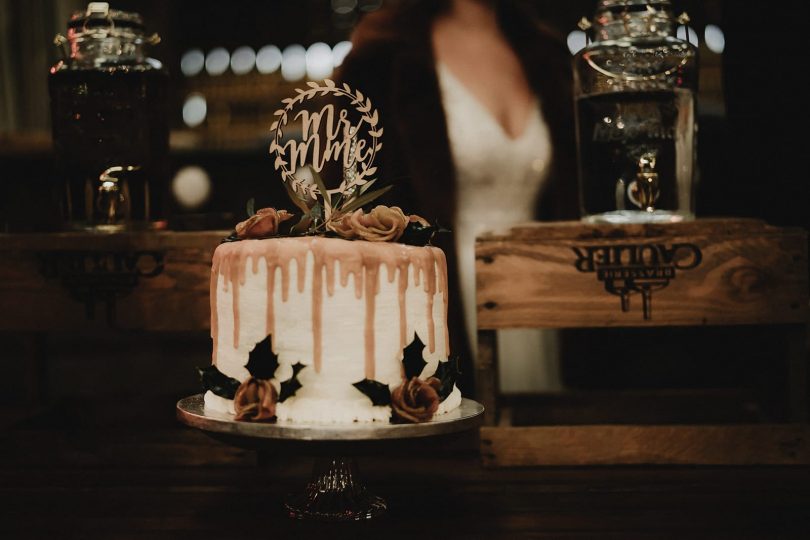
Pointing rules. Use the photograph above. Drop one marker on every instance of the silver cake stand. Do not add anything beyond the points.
(335, 491)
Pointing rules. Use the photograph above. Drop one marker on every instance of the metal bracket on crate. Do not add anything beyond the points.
(98, 276)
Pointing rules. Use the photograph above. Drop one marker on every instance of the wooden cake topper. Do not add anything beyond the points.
(343, 142)
(349, 136)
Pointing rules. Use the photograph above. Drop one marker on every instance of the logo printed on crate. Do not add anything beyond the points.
(628, 269)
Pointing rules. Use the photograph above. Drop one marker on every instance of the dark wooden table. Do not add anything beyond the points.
(125, 469)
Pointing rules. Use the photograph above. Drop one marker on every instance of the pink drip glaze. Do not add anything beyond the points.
(371, 279)
(403, 315)
(214, 315)
(271, 285)
(362, 259)
(317, 314)
(441, 260)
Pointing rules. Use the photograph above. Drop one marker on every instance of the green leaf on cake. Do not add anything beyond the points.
(250, 207)
(217, 382)
(316, 213)
(447, 373)
(377, 392)
(301, 201)
(327, 201)
(412, 359)
(364, 199)
(367, 185)
(302, 226)
(262, 362)
(291, 385)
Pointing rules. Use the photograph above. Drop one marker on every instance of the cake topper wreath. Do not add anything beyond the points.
(328, 135)
(351, 148)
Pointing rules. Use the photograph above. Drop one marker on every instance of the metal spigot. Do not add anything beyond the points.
(112, 196)
(646, 184)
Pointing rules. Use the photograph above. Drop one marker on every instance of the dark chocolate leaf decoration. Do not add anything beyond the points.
(377, 392)
(233, 237)
(291, 385)
(217, 382)
(447, 373)
(417, 234)
(262, 362)
(412, 358)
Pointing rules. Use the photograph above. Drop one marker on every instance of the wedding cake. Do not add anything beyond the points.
(334, 313)
(341, 317)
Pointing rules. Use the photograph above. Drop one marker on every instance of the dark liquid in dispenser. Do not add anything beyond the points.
(110, 117)
(616, 130)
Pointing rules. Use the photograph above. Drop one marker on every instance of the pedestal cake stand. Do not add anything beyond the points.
(335, 491)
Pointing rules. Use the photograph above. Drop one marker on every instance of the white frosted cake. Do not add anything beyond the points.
(337, 312)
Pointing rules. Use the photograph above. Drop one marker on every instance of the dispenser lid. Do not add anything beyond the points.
(98, 18)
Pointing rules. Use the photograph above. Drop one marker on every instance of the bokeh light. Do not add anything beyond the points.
(319, 61)
(268, 59)
(195, 109)
(294, 63)
(243, 60)
(217, 61)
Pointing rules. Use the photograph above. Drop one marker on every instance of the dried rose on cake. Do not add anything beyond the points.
(416, 400)
(263, 223)
(255, 400)
(382, 224)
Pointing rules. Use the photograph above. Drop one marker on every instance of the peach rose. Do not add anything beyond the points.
(255, 400)
(263, 223)
(416, 401)
(382, 224)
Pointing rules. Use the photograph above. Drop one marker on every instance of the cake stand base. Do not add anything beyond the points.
(334, 493)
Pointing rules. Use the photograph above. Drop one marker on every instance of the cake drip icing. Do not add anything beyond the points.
(361, 262)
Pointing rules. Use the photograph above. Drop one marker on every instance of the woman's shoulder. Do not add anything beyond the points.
(388, 31)
(378, 29)
(382, 42)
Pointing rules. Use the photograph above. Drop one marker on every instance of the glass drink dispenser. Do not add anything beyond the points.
(635, 87)
(109, 116)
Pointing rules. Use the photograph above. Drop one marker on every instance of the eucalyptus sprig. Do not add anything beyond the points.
(326, 208)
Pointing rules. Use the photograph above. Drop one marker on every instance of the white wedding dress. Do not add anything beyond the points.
(498, 179)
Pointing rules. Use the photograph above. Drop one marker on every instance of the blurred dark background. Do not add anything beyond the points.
(752, 122)
(750, 112)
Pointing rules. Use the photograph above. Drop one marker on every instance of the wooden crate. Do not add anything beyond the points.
(704, 272)
(42, 270)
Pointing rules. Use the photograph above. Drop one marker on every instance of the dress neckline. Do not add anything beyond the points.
(446, 74)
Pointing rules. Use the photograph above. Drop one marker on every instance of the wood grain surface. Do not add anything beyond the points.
(106, 470)
(748, 273)
(175, 300)
(767, 444)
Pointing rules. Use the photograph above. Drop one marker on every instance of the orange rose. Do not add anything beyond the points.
(382, 224)
(263, 223)
(255, 399)
(416, 401)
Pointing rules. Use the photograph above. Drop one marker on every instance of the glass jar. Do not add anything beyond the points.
(109, 120)
(635, 87)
